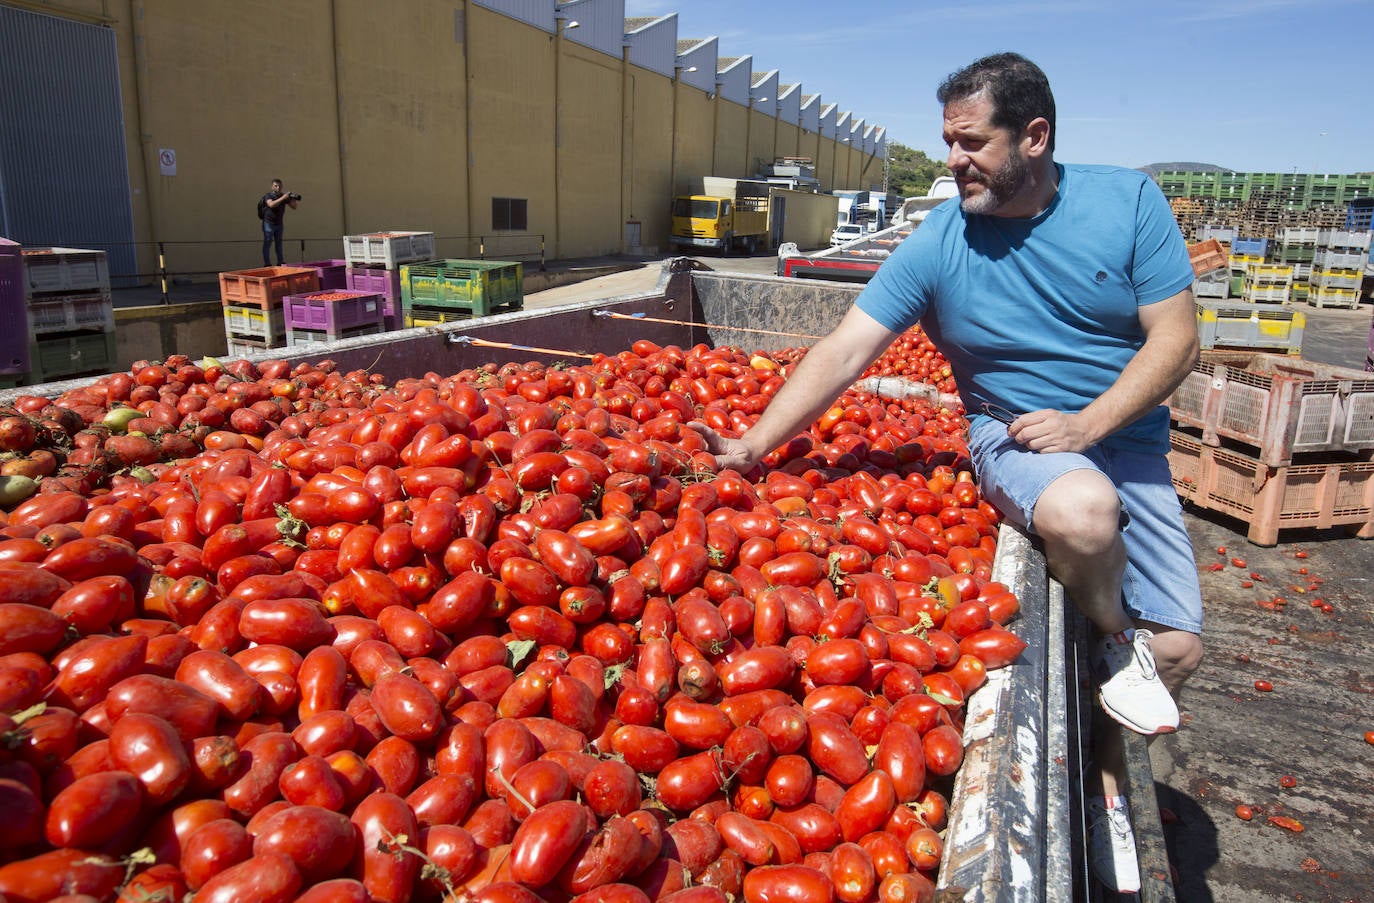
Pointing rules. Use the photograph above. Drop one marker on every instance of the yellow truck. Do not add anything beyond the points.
(728, 214)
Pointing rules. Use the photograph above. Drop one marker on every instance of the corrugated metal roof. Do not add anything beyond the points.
(808, 99)
(638, 22)
(725, 62)
(686, 44)
(758, 78)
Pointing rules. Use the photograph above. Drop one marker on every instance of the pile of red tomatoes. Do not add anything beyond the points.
(281, 633)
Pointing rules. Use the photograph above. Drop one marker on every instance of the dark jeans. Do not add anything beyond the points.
(270, 234)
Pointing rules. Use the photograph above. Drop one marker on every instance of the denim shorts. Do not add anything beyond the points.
(1161, 582)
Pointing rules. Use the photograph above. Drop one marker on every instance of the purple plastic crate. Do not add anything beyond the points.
(14, 321)
(333, 312)
(332, 273)
(387, 283)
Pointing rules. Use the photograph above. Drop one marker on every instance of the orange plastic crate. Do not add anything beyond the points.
(1323, 491)
(1206, 256)
(266, 286)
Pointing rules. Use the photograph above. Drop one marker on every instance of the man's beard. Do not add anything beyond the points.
(999, 188)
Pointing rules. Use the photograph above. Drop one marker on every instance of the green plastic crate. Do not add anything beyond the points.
(71, 355)
(476, 286)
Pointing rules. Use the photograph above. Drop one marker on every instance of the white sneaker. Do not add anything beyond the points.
(1129, 687)
(1111, 846)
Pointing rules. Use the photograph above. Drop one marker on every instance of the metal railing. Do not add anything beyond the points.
(193, 261)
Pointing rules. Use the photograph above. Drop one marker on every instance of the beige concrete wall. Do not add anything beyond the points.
(402, 117)
(650, 170)
(789, 138)
(695, 136)
(810, 218)
(731, 135)
(588, 154)
(762, 138)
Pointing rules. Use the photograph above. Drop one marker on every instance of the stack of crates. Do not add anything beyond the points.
(1245, 252)
(1211, 276)
(14, 331)
(70, 328)
(1294, 245)
(1338, 268)
(333, 273)
(374, 262)
(252, 299)
(328, 316)
(1267, 283)
(1277, 442)
(441, 291)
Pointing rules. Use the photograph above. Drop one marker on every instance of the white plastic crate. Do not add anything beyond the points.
(1348, 298)
(1339, 259)
(297, 337)
(238, 347)
(1298, 235)
(256, 323)
(1341, 238)
(389, 249)
(1267, 327)
(1212, 285)
(71, 313)
(1350, 278)
(64, 270)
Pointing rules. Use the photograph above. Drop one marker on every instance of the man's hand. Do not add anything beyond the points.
(731, 454)
(1048, 430)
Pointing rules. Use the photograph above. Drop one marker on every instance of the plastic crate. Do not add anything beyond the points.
(477, 286)
(332, 273)
(1321, 494)
(1298, 235)
(1224, 234)
(333, 312)
(1321, 296)
(55, 357)
(297, 337)
(1339, 259)
(417, 317)
(1347, 239)
(1227, 324)
(65, 271)
(1266, 294)
(256, 323)
(388, 249)
(1239, 263)
(1185, 463)
(1359, 218)
(240, 347)
(266, 286)
(1206, 256)
(71, 313)
(1250, 247)
(1343, 278)
(14, 330)
(1278, 405)
(1216, 284)
(384, 282)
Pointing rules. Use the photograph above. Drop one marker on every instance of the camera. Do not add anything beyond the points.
(293, 196)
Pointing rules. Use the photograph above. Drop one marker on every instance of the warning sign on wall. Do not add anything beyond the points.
(167, 161)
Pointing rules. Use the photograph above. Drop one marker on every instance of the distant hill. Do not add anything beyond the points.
(1155, 169)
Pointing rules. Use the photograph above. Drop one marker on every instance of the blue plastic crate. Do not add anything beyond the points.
(1358, 215)
(1258, 246)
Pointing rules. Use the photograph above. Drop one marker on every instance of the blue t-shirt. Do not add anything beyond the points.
(1041, 312)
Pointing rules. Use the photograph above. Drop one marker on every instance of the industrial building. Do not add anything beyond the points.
(509, 128)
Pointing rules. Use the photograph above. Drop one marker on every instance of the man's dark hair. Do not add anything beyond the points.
(1016, 87)
(276, 181)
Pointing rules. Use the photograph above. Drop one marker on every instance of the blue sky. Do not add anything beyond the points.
(1251, 85)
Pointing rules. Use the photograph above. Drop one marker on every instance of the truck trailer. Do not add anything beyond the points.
(1016, 822)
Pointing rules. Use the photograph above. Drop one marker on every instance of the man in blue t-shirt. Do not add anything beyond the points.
(1062, 297)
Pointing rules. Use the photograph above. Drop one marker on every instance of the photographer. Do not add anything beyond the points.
(272, 211)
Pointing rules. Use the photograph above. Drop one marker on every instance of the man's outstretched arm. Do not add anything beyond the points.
(827, 370)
